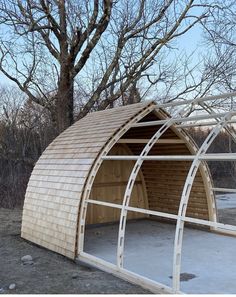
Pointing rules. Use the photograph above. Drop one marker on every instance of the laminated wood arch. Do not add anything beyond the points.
(116, 149)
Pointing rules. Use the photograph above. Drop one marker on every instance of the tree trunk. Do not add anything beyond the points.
(64, 101)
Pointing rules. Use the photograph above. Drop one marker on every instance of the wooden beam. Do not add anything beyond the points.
(224, 190)
(185, 119)
(219, 226)
(136, 140)
(212, 123)
(125, 274)
(114, 184)
(197, 100)
(203, 157)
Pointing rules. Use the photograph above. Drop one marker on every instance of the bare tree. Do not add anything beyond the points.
(25, 131)
(48, 44)
(220, 37)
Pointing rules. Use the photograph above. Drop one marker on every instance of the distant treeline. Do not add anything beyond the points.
(223, 172)
(24, 134)
(22, 143)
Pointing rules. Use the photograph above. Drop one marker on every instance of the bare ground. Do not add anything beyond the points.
(227, 216)
(51, 273)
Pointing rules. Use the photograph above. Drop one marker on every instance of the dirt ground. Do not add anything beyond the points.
(50, 273)
(227, 216)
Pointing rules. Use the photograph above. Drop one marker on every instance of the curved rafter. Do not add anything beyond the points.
(185, 198)
(228, 129)
(92, 175)
(129, 188)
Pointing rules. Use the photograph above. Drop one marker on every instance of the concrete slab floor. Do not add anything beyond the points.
(208, 259)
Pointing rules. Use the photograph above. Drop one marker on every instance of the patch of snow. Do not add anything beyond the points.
(226, 200)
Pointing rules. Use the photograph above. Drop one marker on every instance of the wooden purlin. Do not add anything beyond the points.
(53, 193)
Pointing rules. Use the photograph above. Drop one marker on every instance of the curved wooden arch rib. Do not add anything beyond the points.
(89, 183)
(204, 170)
(184, 202)
(129, 189)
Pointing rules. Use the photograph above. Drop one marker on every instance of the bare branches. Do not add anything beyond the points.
(100, 28)
(145, 60)
(220, 36)
(54, 26)
(112, 45)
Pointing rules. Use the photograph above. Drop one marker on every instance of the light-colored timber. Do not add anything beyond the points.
(125, 163)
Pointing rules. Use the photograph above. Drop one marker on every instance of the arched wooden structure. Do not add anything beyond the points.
(136, 161)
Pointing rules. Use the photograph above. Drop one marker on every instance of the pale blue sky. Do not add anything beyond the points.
(3, 79)
(187, 43)
(191, 40)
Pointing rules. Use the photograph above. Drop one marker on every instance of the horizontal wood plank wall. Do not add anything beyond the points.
(54, 190)
(109, 186)
(165, 186)
(165, 179)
